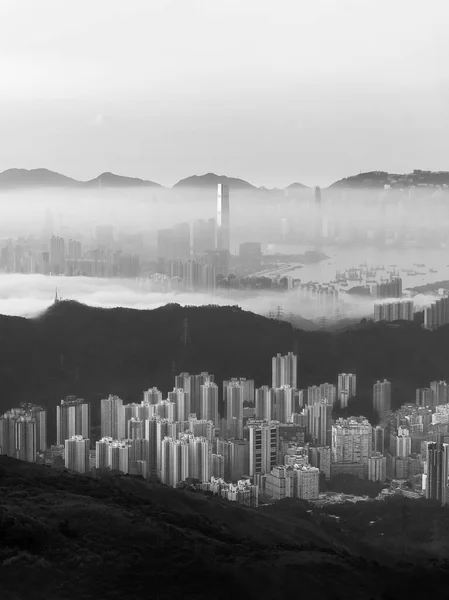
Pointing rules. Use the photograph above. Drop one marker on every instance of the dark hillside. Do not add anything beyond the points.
(64, 536)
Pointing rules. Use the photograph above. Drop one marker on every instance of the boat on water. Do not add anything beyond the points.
(433, 270)
(419, 265)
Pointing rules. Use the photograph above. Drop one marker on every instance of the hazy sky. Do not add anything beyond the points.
(273, 92)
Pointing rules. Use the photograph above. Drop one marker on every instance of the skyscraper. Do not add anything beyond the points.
(181, 399)
(382, 397)
(233, 400)
(112, 418)
(223, 241)
(174, 461)
(403, 443)
(319, 422)
(284, 399)
(77, 454)
(377, 467)
(284, 370)
(440, 390)
(153, 395)
(200, 450)
(73, 417)
(247, 386)
(351, 440)
(25, 437)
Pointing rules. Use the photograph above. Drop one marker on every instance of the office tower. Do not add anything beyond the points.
(265, 404)
(378, 439)
(351, 440)
(440, 390)
(347, 388)
(112, 418)
(236, 458)
(203, 236)
(73, 417)
(377, 467)
(25, 435)
(284, 399)
(263, 444)
(233, 399)
(57, 255)
(382, 397)
(250, 254)
(425, 397)
(223, 229)
(77, 454)
(181, 400)
(319, 422)
(200, 451)
(153, 395)
(209, 403)
(284, 370)
(436, 478)
(403, 443)
(174, 461)
(247, 386)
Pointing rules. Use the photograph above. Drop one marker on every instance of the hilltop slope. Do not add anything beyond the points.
(66, 536)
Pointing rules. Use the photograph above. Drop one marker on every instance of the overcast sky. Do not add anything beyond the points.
(270, 91)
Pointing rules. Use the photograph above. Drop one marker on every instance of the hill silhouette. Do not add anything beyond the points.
(13, 178)
(91, 352)
(211, 180)
(68, 536)
(377, 179)
(112, 180)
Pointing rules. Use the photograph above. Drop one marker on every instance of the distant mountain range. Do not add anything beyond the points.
(44, 178)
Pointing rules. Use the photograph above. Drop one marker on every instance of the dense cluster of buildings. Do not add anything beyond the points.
(245, 443)
(398, 310)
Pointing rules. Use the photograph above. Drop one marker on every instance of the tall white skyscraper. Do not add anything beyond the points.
(200, 450)
(209, 403)
(284, 370)
(77, 454)
(223, 235)
(112, 418)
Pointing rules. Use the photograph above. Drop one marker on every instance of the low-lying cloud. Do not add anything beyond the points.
(30, 295)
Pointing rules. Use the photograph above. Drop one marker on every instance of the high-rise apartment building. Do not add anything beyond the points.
(378, 439)
(263, 445)
(324, 391)
(77, 454)
(284, 401)
(112, 418)
(440, 391)
(318, 418)
(192, 384)
(307, 482)
(236, 458)
(247, 386)
(25, 434)
(347, 388)
(284, 370)
(382, 397)
(436, 477)
(425, 397)
(181, 400)
(400, 310)
(209, 403)
(377, 467)
(153, 395)
(200, 450)
(437, 314)
(174, 461)
(73, 417)
(403, 443)
(233, 399)
(351, 440)
(265, 404)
